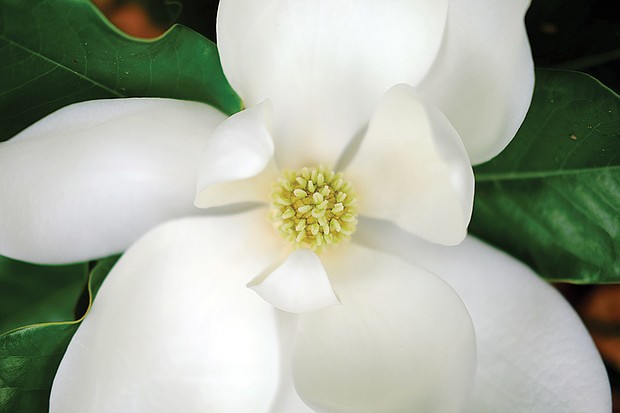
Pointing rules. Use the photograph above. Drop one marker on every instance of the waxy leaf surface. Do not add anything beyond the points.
(32, 294)
(59, 52)
(30, 355)
(552, 198)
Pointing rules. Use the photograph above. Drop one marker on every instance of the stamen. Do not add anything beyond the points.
(289, 213)
(314, 207)
(300, 193)
(304, 209)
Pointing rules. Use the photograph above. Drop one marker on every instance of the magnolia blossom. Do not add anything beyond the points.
(410, 159)
(330, 195)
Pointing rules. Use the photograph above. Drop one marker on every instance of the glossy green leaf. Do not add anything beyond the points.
(58, 52)
(36, 294)
(29, 356)
(552, 198)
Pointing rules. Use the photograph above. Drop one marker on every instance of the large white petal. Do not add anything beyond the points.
(298, 285)
(287, 400)
(413, 170)
(324, 63)
(401, 341)
(236, 164)
(174, 329)
(89, 179)
(534, 354)
(483, 77)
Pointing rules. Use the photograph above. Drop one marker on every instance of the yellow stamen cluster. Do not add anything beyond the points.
(314, 207)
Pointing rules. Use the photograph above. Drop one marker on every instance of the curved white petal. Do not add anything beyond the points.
(483, 77)
(534, 354)
(413, 170)
(174, 329)
(300, 284)
(234, 159)
(291, 403)
(287, 400)
(401, 341)
(89, 179)
(324, 64)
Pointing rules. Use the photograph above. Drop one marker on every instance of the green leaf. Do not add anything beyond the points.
(36, 294)
(552, 198)
(29, 356)
(59, 52)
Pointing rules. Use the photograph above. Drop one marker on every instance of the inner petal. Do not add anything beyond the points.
(236, 164)
(415, 169)
(300, 284)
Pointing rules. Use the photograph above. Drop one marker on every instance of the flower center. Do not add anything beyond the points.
(314, 207)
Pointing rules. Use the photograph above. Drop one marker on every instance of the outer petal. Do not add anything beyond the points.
(401, 341)
(89, 179)
(287, 400)
(413, 170)
(300, 284)
(483, 77)
(174, 329)
(236, 163)
(534, 354)
(324, 64)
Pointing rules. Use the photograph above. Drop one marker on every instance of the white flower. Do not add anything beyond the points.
(174, 329)
(410, 169)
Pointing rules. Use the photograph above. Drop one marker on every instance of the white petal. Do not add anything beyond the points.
(291, 403)
(234, 157)
(401, 341)
(413, 170)
(287, 400)
(300, 284)
(174, 329)
(324, 64)
(534, 354)
(484, 75)
(88, 180)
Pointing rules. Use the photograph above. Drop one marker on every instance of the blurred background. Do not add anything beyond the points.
(582, 35)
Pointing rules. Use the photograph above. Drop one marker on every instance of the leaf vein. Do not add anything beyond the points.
(68, 69)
